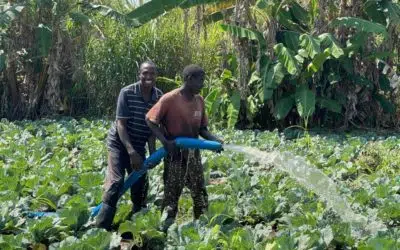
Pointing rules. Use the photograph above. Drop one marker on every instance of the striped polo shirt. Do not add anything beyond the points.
(133, 107)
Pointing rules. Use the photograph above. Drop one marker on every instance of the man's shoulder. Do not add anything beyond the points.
(200, 97)
(131, 88)
(158, 92)
(170, 95)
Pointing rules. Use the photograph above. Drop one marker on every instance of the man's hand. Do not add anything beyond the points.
(169, 146)
(219, 140)
(136, 160)
(222, 143)
(150, 165)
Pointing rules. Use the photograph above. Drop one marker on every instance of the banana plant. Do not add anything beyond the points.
(146, 11)
(7, 15)
(299, 56)
(223, 100)
(302, 56)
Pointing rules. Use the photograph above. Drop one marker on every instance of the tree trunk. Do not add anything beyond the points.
(343, 11)
(199, 22)
(11, 71)
(38, 93)
(52, 95)
(27, 40)
(12, 83)
(187, 53)
(321, 22)
(204, 23)
(242, 48)
(271, 27)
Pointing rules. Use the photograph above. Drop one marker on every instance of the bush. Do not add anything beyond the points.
(114, 62)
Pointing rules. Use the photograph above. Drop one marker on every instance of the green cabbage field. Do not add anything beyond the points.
(59, 166)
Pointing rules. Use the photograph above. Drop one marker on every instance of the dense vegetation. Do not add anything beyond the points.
(287, 66)
(270, 63)
(59, 166)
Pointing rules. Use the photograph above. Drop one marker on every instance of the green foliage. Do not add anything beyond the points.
(166, 84)
(331, 105)
(245, 33)
(386, 105)
(211, 102)
(111, 13)
(379, 243)
(155, 8)
(303, 59)
(45, 229)
(12, 242)
(360, 25)
(114, 62)
(80, 18)
(92, 239)
(143, 227)
(222, 100)
(272, 78)
(328, 41)
(75, 214)
(44, 39)
(233, 110)
(111, 41)
(247, 201)
(287, 58)
(305, 101)
(283, 107)
(320, 61)
(310, 44)
(9, 14)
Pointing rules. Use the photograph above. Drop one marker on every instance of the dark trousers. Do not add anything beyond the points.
(184, 168)
(118, 164)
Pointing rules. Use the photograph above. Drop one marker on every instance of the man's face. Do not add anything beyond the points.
(147, 75)
(196, 83)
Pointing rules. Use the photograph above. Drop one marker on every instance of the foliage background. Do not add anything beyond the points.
(269, 63)
(59, 166)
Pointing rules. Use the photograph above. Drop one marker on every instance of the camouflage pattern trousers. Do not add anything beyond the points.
(184, 168)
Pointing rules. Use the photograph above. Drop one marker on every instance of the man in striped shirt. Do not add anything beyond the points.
(126, 143)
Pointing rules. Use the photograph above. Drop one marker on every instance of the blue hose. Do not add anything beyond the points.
(153, 159)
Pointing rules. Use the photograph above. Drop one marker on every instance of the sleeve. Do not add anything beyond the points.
(159, 94)
(157, 113)
(122, 106)
(204, 118)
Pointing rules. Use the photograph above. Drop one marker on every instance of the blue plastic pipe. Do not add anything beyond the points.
(154, 159)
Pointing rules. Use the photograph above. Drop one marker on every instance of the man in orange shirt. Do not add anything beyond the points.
(182, 114)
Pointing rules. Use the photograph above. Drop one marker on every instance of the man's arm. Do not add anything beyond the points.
(123, 134)
(135, 158)
(152, 144)
(209, 136)
(169, 145)
(204, 132)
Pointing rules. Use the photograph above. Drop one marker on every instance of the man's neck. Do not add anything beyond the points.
(186, 93)
(146, 92)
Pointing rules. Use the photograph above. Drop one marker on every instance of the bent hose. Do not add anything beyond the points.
(152, 160)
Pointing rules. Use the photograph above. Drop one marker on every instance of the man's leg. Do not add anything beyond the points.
(174, 175)
(195, 182)
(139, 192)
(112, 187)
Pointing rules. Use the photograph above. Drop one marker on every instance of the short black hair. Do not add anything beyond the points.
(148, 62)
(193, 70)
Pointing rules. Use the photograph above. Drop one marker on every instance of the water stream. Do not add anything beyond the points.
(313, 179)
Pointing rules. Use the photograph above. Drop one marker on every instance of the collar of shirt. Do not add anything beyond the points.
(138, 90)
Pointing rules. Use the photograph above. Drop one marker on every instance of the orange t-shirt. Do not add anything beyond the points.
(179, 116)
